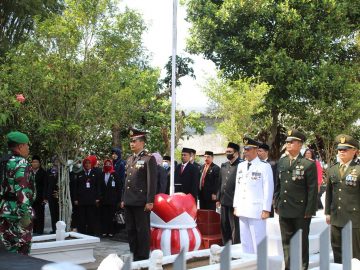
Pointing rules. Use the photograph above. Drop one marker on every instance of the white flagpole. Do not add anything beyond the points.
(173, 98)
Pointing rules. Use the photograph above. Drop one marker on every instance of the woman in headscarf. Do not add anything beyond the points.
(111, 188)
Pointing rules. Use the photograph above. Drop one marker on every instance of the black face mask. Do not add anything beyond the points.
(230, 156)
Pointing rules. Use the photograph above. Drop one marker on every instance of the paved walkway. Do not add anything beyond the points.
(103, 249)
(106, 247)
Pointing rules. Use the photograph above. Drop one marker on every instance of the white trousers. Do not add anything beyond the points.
(252, 231)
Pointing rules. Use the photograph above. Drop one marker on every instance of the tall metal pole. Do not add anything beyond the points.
(173, 97)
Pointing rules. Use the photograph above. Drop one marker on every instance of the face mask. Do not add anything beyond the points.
(230, 156)
(77, 165)
(166, 165)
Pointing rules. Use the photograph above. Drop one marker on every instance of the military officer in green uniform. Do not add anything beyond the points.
(295, 196)
(139, 194)
(17, 193)
(342, 202)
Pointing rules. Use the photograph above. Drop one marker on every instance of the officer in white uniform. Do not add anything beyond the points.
(253, 196)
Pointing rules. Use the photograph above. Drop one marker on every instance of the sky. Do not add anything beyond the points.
(157, 15)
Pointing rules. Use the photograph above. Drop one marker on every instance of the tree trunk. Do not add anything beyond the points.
(167, 143)
(274, 140)
(65, 206)
(116, 136)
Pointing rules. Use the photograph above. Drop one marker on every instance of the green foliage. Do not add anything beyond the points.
(183, 68)
(234, 103)
(296, 47)
(17, 19)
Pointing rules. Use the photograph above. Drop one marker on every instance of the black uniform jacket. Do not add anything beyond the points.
(110, 192)
(40, 178)
(51, 185)
(187, 181)
(88, 188)
(343, 196)
(141, 180)
(211, 181)
(296, 188)
(227, 182)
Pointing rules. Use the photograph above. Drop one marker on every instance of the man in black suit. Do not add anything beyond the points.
(38, 205)
(263, 154)
(187, 175)
(139, 195)
(209, 182)
(229, 222)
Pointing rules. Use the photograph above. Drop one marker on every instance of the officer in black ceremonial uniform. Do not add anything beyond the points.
(51, 192)
(225, 197)
(139, 194)
(342, 202)
(87, 197)
(187, 175)
(295, 195)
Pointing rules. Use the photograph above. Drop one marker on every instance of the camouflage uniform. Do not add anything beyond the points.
(17, 195)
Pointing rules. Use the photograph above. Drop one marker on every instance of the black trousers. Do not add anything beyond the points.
(288, 227)
(54, 213)
(138, 229)
(107, 213)
(336, 243)
(230, 227)
(88, 220)
(75, 216)
(39, 210)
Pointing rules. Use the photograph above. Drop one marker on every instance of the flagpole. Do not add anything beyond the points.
(173, 97)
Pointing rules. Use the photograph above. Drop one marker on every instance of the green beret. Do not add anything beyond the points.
(295, 134)
(344, 141)
(17, 137)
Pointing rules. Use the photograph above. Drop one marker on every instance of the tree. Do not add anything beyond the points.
(69, 72)
(286, 44)
(17, 19)
(235, 103)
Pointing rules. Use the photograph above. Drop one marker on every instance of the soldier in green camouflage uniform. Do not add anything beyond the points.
(16, 197)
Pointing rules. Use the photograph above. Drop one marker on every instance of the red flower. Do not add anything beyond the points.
(20, 98)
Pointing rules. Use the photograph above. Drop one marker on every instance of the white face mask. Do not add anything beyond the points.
(77, 165)
(165, 165)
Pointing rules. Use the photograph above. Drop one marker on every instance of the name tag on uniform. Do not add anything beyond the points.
(113, 183)
(87, 184)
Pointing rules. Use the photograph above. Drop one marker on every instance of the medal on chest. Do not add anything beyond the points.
(351, 179)
(140, 164)
(298, 173)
